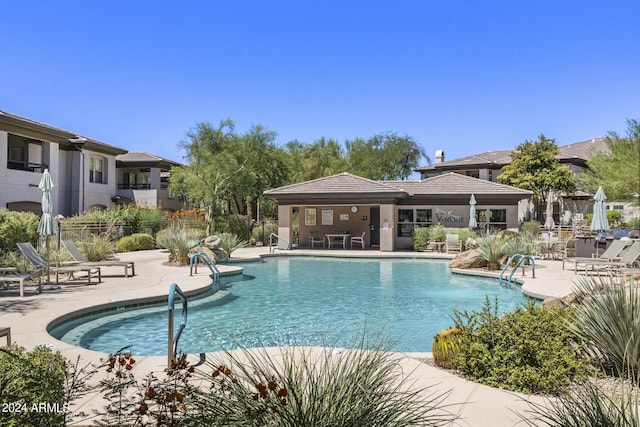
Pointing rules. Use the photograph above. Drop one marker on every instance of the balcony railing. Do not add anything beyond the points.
(26, 166)
(134, 186)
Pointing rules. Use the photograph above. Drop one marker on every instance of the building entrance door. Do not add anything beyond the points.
(374, 226)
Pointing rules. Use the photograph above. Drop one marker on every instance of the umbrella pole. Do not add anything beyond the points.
(48, 244)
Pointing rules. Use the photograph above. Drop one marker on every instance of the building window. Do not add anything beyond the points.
(96, 170)
(409, 219)
(492, 219)
(24, 154)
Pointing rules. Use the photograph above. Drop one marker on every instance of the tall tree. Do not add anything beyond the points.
(385, 156)
(618, 172)
(534, 167)
(206, 178)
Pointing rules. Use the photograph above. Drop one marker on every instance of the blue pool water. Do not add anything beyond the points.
(305, 301)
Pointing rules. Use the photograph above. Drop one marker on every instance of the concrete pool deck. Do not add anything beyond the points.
(29, 316)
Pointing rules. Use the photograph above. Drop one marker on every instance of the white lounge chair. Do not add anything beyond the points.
(612, 253)
(453, 243)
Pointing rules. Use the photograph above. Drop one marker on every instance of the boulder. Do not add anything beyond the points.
(467, 259)
(207, 251)
(221, 255)
(212, 242)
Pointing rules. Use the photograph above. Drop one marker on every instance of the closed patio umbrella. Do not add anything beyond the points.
(549, 224)
(472, 212)
(45, 226)
(599, 222)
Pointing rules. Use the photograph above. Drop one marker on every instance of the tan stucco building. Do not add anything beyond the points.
(388, 211)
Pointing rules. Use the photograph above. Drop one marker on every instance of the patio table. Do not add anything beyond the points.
(337, 236)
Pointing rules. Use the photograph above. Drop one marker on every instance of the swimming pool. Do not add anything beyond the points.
(305, 301)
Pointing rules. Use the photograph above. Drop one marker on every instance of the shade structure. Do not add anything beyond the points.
(45, 226)
(549, 224)
(472, 212)
(599, 221)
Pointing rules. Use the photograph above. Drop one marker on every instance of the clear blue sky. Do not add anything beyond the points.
(463, 76)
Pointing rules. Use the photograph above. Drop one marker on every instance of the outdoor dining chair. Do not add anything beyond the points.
(358, 240)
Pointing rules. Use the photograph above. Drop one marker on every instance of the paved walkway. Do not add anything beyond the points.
(29, 317)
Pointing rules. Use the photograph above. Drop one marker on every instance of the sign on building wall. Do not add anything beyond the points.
(327, 216)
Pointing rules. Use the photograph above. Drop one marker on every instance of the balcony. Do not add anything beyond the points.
(26, 166)
(134, 186)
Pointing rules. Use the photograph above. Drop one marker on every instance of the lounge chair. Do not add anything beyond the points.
(314, 237)
(81, 260)
(43, 268)
(453, 243)
(628, 260)
(358, 240)
(612, 253)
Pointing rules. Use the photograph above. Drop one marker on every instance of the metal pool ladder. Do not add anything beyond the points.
(215, 273)
(273, 236)
(172, 349)
(521, 258)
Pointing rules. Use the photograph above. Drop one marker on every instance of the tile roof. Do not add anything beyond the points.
(343, 183)
(142, 157)
(579, 150)
(454, 183)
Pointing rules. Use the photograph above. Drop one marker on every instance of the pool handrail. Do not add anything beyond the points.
(521, 259)
(193, 263)
(277, 237)
(172, 348)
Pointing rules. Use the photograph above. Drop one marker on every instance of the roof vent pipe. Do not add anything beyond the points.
(439, 156)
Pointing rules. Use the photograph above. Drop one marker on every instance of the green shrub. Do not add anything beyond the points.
(16, 260)
(438, 233)
(135, 242)
(529, 350)
(519, 243)
(179, 241)
(608, 319)
(421, 236)
(269, 227)
(16, 227)
(613, 216)
(96, 247)
(531, 228)
(32, 377)
(465, 234)
(231, 224)
(152, 221)
(230, 242)
(635, 223)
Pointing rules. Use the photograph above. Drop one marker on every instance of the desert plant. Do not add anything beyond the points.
(269, 227)
(28, 378)
(445, 347)
(529, 350)
(16, 260)
(531, 228)
(490, 248)
(96, 247)
(135, 242)
(608, 319)
(519, 243)
(465, 234)
(588, 404)
(438, 233)
(421, 237)
(179, 241)
(17, 227)
(361, 386)
(231, 242)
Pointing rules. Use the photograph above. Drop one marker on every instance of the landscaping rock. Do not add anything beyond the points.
(467, 259)
(213, 242)
(221, 255)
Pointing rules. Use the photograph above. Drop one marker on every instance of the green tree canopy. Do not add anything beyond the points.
(386, 156)
(619, 171)
(534, 167)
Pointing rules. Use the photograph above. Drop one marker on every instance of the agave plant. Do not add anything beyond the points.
(608, 319)
(491, 248)
(179, 241)
(231, 242)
